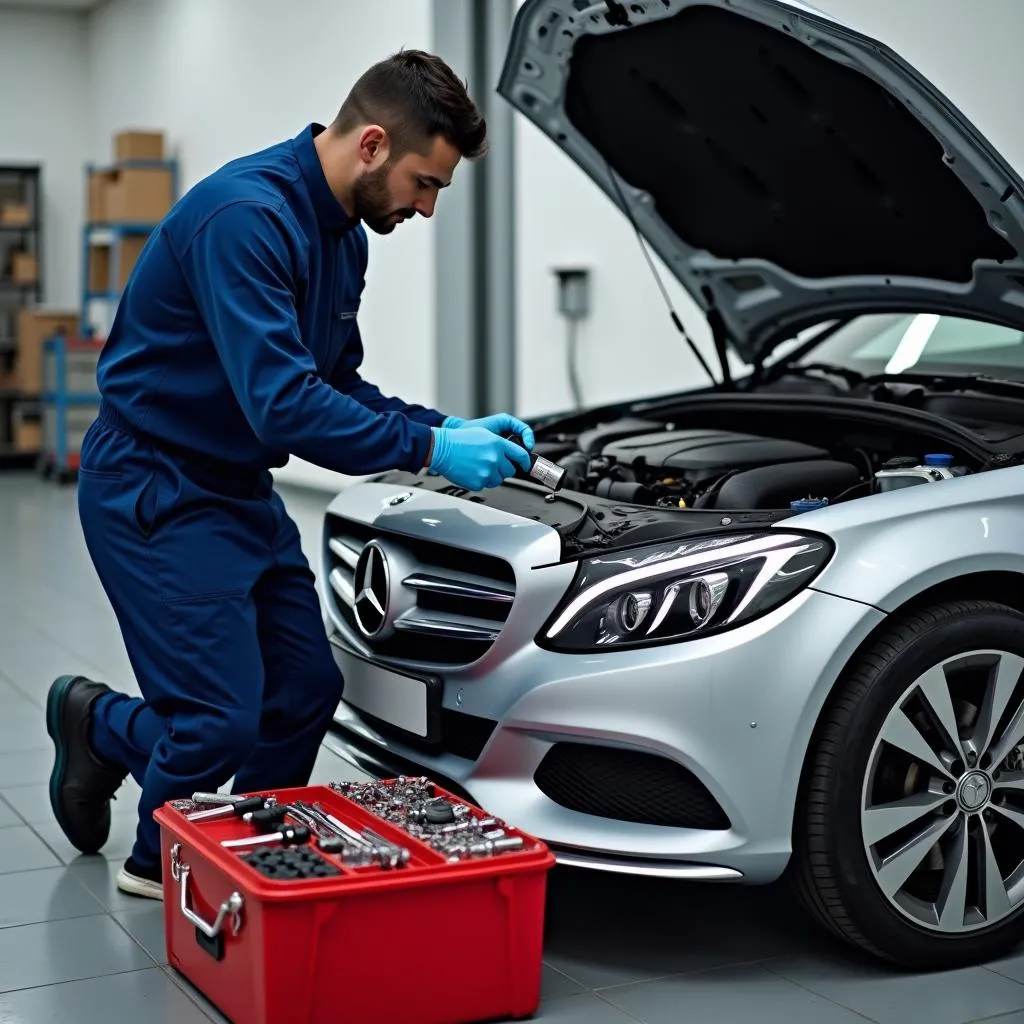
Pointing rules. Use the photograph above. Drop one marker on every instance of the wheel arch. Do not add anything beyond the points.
(1001, 586)
(831, 885)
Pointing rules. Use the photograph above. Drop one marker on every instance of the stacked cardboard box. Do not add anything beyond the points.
(35, 326)
(101, 257)
(125, 193)
(27, 428)
(134, 190)
(24, 268)
(15, 215)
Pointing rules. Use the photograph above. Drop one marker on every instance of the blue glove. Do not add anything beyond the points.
(501, 423)
(475, 458)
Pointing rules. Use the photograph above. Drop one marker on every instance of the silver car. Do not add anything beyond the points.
(774, 626)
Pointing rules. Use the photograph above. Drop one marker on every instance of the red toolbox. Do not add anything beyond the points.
(451, 936)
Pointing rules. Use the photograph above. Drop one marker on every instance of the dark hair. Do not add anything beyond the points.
(415, 96)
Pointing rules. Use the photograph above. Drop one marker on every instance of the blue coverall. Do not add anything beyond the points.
(235, 343)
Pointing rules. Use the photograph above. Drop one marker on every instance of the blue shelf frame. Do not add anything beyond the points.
(61, 399)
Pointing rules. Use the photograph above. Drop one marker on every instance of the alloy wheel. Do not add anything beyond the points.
(942, 804)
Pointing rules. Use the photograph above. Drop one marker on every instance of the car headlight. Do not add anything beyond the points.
(663, 593)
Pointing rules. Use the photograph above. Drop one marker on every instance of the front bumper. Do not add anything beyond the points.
(737, 710)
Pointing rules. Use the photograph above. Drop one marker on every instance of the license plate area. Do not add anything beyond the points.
(405, 701)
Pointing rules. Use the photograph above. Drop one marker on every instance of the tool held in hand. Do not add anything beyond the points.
(288, 835)
(542, 471)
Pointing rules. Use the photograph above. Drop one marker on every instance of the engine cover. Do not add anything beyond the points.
(699, 454)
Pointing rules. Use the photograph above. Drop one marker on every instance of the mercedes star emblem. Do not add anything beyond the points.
(372, 586)
(975, 790)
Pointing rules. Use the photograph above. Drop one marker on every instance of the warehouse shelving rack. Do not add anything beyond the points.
(71, 399)
(113, 233)
(21, 183)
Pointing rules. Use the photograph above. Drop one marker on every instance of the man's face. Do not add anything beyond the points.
(396, 190)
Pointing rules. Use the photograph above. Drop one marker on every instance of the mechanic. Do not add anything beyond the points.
(234, 345)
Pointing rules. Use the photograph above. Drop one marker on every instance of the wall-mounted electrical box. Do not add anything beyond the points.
(573, 291)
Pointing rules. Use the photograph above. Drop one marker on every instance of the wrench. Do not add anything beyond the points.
(385, 853)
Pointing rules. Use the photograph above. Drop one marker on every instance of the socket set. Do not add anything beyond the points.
(264, 893)
(288, 825)
(446, 825)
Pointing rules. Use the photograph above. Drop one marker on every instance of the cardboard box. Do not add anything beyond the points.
(96, 196)
(138, 145)
(24, 268)
(137, 195)
(15, 215)
(101, 259)
(27, 429)
(35, 326)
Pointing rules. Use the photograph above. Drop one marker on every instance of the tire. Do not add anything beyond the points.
(945, 914)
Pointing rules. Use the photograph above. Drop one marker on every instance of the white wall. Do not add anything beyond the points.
(226, 77)
(223, 77)
(629, 346)
(43, 119)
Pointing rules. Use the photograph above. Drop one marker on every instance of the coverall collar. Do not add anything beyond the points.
(329, 211)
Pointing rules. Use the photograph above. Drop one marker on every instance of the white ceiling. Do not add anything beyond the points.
(52, 5)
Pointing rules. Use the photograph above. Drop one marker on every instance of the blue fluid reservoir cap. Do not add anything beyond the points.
(938, 460)
(807, 504)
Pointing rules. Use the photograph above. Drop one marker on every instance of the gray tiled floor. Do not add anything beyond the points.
(617, 950)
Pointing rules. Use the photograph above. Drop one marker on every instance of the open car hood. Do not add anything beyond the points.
(786, 168)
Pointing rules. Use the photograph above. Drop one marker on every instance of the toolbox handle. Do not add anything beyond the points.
(232, 905)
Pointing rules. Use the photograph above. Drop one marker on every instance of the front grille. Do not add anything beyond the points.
(627, 785)
(452, 604)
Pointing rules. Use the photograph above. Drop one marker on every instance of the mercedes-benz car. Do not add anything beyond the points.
(773, 626)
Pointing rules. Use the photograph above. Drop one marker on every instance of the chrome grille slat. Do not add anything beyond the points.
(461, 585)
(342, 586)
(449, 605)
(347, 550)
(462, 629)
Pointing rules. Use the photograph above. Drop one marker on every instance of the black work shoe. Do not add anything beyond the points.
(137, 880)
(81, 785)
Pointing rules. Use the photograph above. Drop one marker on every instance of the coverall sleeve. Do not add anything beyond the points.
(242, 268)
(346, 378)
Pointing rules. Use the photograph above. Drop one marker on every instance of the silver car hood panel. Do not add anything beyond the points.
(785, 167)
(446, 519)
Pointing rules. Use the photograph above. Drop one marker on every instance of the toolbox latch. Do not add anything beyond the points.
(210, 937)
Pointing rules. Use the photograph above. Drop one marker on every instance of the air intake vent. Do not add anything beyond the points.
(627, 785)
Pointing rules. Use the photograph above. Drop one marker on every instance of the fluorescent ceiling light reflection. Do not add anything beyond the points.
(913, 342)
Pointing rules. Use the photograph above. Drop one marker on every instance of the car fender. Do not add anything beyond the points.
(892, 546)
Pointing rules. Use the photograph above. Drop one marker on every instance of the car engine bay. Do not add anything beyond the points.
(651, 470)
(659, 465)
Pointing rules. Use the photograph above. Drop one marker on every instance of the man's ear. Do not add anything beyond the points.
(373, 144)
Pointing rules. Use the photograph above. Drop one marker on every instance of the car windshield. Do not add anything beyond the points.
(923, 343)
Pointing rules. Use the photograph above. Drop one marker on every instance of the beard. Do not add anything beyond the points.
(372, 201)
